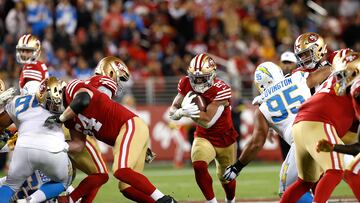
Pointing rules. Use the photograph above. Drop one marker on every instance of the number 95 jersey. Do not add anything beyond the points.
(281, 101)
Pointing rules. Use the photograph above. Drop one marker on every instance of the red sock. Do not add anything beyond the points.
(295, 191)
(203, 179)
(135, 179)
(230, 189)
(136, 196)
(89, 198)
(353, 180)
(90, 184)
(327, 184)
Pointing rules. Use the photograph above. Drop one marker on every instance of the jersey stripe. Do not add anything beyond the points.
(32, 71)
(44, 67)
(34, 78)
(222, 91)
(71, 87)
(125, 145)
(356, 167)
(334, 156)
(223, 95)
(222, 98)
(92, 150)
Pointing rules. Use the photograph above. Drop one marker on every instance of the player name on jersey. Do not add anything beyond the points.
(269, 91)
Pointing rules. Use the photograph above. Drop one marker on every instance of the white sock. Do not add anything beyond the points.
(213, 200)
(229, 201)
(38, 196)
(2, 180)
(157, 195)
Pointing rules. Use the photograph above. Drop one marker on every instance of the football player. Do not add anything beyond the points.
(279, 102)
(215, 136)
(37, 147)
(345, 79)
(28, 51)
(90, 112)
(326, 115)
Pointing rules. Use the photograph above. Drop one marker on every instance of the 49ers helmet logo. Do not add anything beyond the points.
(312, 38)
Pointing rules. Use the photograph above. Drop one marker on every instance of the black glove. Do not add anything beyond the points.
(51, 121)
(232, 171)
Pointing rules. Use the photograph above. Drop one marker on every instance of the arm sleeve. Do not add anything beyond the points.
(352, 149)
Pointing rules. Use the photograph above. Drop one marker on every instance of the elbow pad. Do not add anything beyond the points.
(80, 102)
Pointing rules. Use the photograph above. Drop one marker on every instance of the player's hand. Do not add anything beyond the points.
(324, 146)
(231, 172)
(52, 121)
(7, 95)
(150, 156)
(188, 99)
(191, 110)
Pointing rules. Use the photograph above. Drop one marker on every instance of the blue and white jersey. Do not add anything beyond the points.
(29, 117)
(281, 101)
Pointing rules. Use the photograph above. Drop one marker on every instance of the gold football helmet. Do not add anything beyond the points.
(114, 68)
(50, 95)
(309, 49)
(348, 73)
(202, 72)
(28, 49)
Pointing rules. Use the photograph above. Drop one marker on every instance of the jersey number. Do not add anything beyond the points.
(24, 102)
(277, 103)
(89, 124)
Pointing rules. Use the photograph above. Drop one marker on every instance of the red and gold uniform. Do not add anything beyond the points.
(31, 76)
(89, 160)
(112, 124)
(219, 141)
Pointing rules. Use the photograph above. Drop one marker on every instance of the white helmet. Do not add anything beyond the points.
(267, 74)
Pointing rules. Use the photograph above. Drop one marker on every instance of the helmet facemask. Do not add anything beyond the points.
(307, 57)
(50, 95)
(28, 49)
(201, 82)
(201, 72)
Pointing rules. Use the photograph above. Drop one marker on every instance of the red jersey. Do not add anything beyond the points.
(102, 118)
(325, 106)
(222, 133)
(37, 71)
(103, 81)
(355, 92)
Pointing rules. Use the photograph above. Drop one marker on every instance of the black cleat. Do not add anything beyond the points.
(166, 199)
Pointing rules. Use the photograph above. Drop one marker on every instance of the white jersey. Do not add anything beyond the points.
(29, 117)
(281, 101)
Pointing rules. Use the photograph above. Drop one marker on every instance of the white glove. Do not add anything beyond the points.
(230, 173)
(188, 109)
(7, 95)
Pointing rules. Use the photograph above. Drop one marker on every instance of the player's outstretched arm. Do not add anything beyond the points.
(261, 128)
(77, 142)
(212, 114)
(326, 146)
(317, 77)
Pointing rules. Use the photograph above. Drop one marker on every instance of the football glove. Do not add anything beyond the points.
(7, 95)
(52, 121)
(324, 146)
(150, 156)
(232, 171)
(12, 141)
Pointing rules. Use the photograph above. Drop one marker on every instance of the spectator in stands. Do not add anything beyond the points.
(66, 16)
(16, 21)
(82, 70)
(39, 16)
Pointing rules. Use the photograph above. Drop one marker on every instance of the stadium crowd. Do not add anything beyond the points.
(159, 38)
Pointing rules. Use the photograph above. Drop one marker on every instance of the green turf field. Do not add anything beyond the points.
(256, 181)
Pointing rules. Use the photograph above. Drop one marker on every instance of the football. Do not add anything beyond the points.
(199, 101)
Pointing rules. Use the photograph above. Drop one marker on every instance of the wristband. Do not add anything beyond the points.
(62, 118)
(239, 166)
